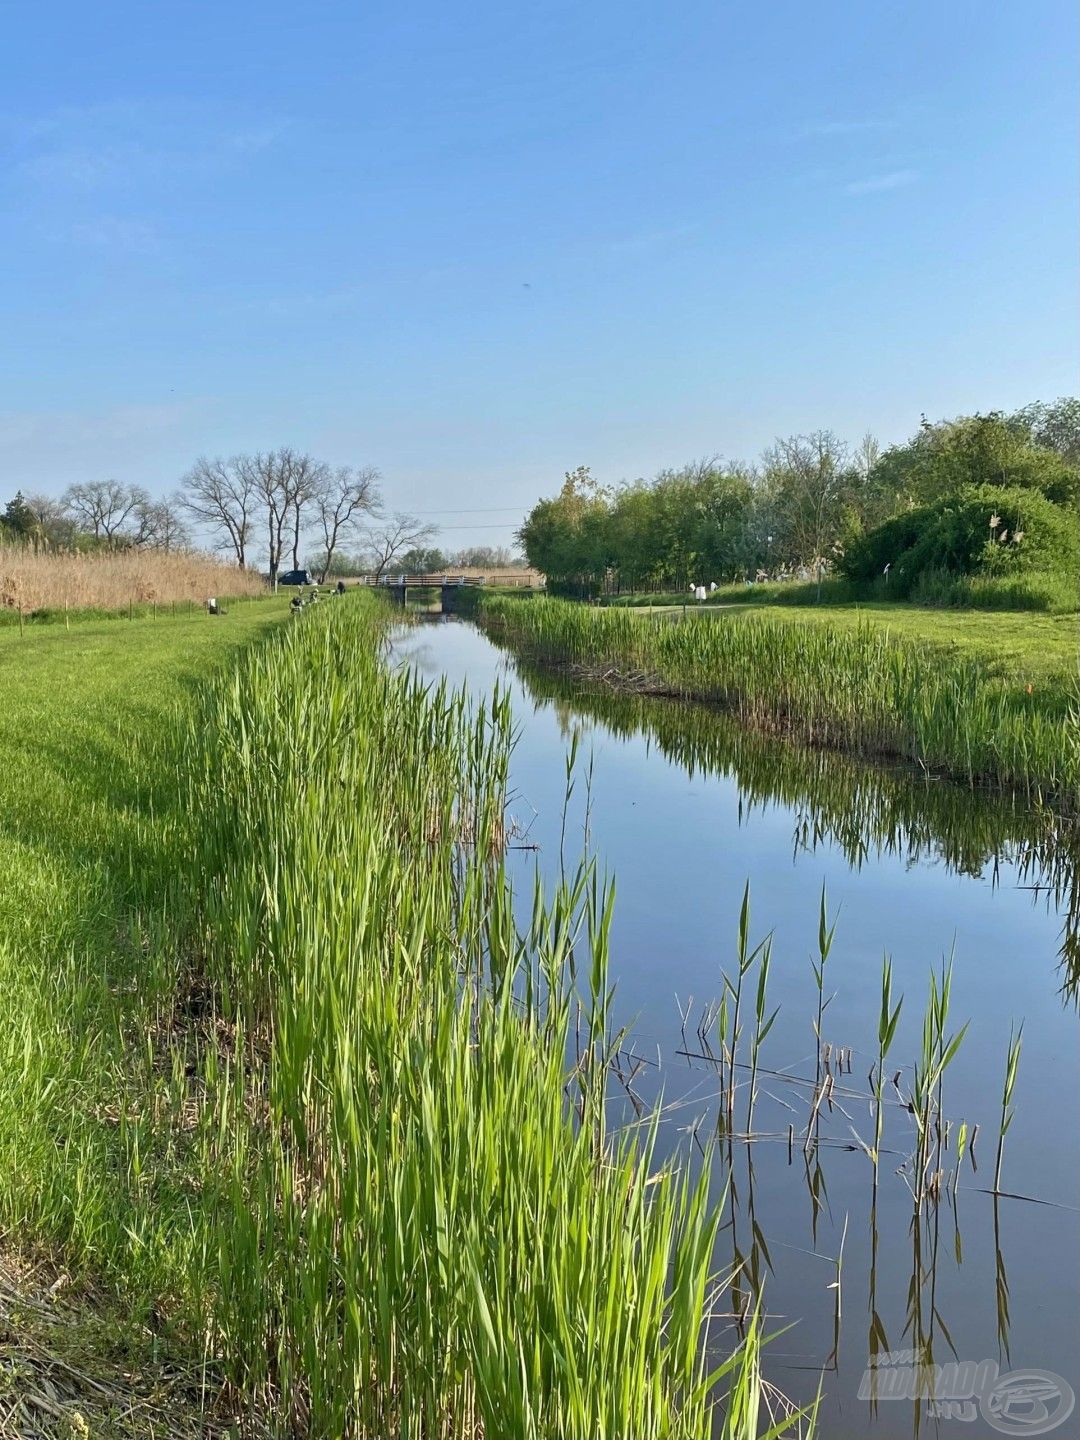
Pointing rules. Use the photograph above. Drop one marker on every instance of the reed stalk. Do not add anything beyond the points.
(888, 1016)
(1012, 1067)
(861, 690)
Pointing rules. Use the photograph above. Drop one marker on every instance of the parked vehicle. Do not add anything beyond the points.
(295, 577)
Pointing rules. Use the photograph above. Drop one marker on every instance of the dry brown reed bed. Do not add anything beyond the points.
(113, 580)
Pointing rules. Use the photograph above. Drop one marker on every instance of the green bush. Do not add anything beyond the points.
(983, 531)
(943, 459)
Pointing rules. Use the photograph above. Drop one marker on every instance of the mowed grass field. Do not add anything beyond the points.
(84, 716)
(79, 706)
(1020, 645)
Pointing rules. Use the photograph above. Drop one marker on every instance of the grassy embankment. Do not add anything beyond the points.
(1058, 595)
(1022, 647)
(987, 699)
(314, 1179)
(81, 732)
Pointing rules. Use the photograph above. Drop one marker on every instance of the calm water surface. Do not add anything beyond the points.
(683, 810)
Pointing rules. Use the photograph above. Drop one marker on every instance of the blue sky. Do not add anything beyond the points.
(477, 245)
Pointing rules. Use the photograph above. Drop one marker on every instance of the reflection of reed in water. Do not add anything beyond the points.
(907, 1121)
(864, 808)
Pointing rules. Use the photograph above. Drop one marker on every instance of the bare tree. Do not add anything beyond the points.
(873, 492)
(158, 526)
(103, 506)
(490, 557)
(289, 487)
(52, 520)
(221, 494)
(283, 481)
(266, 482)
(308, 478)
(344, 498)
(400, 533)
(867, 455)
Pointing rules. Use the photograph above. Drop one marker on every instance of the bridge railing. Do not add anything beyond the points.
(448, 577)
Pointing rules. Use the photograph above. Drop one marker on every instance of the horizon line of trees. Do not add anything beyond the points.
(285, 497)
(798, 510)
(97, 514)
(423, 560)
(270, 504)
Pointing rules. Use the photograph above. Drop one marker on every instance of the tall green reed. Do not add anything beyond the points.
(888, 1017)
(860, 690)
(414, 1231)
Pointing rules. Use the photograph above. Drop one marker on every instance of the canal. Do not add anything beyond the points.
(683, 811)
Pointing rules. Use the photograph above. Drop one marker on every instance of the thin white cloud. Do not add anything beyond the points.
(251, 141)
(308, 305)
(85, 167)
(874, 184)
(125, 143)
(148, 443)
(72, 428)
(68, 120)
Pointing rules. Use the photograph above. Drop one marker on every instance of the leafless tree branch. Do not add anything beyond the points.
(400, 533)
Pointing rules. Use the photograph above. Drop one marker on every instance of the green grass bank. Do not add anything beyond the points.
(282, 1085)
(1019, 647)
(986, 699)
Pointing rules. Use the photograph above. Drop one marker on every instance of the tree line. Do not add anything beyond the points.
(799, 510)
(270, 504)
(282, 499)
(276, 499)
(423, 559)
(99, 514)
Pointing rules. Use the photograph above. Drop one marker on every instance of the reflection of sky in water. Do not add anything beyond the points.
(916, 877)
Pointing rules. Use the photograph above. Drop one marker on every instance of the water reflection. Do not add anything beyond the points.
(923, 1244)
(866, 810)
(857, 1263)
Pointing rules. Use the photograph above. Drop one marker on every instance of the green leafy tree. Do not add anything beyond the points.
(1053, 425)
(986, 530)
(568, 538)
(422, 560)
(633, 535)
(18, 518)
(974, 450)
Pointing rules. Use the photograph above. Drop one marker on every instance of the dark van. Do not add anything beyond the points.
(295, 577)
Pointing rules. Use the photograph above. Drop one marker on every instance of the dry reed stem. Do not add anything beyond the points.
(32, 581)
(50, 1386)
